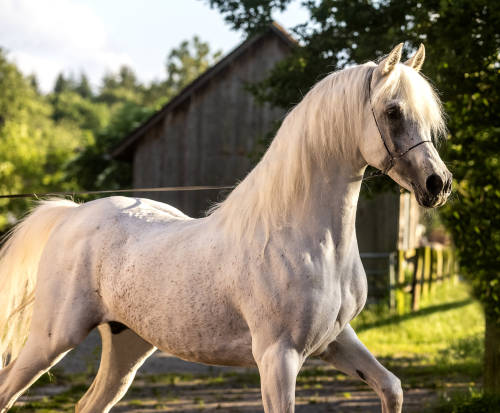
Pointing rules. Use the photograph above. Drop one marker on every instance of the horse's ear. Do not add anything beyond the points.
(418, 58)
(391, 60)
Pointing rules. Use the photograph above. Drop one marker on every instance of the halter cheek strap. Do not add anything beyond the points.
(392, 157)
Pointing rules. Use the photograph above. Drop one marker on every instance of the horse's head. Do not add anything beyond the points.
(402, 116)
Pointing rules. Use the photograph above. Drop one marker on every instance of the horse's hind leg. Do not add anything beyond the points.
(65, 310)
(45, 346)
(349, 355)
(123, 352)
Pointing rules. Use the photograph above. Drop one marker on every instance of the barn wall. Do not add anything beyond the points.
(208, 139)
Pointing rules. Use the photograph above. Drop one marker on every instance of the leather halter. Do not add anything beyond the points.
(392, 157)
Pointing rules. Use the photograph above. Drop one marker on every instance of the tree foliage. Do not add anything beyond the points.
(187, 62)
(248, 15)
(463, 48)
(33, 148)
(62, 140)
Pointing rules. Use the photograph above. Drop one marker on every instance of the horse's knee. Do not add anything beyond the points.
(393, 394)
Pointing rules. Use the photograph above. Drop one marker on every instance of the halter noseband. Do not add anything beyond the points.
(392, 158)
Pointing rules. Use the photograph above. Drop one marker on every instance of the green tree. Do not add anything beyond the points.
(93, 167)
(119, 87)
(463, 60)
(33, 81)
(69, 106)
(61, 84)
(249, 15)
(83, 87)
(186, 62)
(474, 215)
(33, 149)
(183, 65)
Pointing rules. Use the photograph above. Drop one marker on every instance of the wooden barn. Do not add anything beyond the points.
(205, 135)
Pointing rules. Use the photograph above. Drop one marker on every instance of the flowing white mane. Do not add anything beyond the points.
(324, 126)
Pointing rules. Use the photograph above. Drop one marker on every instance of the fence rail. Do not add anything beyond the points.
(410, 275)
(418, 272)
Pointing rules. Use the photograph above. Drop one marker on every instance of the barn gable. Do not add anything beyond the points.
(282, 42)
(205, 134)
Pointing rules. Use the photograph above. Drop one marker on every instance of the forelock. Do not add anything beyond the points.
(421, 102)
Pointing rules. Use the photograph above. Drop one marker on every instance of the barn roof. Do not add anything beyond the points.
(124, 150)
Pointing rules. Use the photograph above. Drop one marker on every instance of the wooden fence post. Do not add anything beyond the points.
(439, 265)
(417, 280)
(456, 269)
(400, 294)
(451, 264)
(446, 261)
(433, 271)
(392, 280)
(427, 272)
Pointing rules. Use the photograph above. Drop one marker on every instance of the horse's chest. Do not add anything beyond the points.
(352, 298)
(329, 300)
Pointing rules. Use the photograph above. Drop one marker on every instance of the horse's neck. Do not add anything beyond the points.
(296, 193)
(329, 212)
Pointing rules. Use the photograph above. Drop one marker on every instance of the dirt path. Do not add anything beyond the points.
(345, 396)
(320, 388)
(188, 388)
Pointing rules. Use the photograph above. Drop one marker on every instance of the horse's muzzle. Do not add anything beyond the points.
(436, 191)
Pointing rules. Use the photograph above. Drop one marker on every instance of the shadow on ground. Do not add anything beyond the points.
(196, 388)
(394, 319)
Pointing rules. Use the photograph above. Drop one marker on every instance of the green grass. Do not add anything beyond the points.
(451, 323)
(63, 402)
(436, 347)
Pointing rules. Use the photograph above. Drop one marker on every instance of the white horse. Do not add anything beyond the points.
(269, 278)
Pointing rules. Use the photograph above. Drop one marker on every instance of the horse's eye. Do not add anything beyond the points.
(393, 112)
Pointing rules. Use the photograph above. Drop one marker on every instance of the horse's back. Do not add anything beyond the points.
(119, 220)
(140, 210)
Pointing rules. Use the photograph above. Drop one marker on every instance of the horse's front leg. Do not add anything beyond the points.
(278, 366)
(348, 354)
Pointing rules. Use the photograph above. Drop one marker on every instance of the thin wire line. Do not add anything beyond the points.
(115, 191)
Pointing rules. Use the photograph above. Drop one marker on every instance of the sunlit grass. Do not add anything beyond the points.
(450, 319)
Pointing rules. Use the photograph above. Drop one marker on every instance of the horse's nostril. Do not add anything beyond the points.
(434, 184)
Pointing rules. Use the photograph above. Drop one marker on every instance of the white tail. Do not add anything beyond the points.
(19, 259)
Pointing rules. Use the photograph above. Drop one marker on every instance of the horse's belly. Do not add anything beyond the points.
(228, 350)
(215, 337)
(189, 324)
(203, 341)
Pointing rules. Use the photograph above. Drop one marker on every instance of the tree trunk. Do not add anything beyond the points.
(492, 356)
